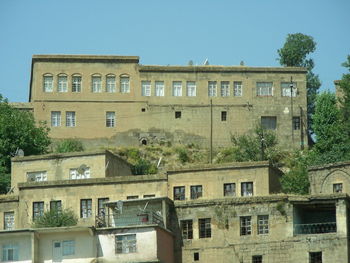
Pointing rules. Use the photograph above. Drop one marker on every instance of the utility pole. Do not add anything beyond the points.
(291, 106)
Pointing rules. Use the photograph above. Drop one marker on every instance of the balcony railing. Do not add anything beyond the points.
(317, 228)
(120, 220)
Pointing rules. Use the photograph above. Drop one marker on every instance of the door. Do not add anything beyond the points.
(57, 251)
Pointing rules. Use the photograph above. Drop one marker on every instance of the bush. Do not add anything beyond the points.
(56, 218)
(70, 145)
(183, 155)
(143, 166)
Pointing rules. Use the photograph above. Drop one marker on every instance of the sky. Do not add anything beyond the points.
(163, 32)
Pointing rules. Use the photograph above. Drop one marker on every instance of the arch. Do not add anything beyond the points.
(327, 180)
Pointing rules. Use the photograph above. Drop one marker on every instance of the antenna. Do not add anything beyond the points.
(82, 168)
(20, 152)
(206, 62)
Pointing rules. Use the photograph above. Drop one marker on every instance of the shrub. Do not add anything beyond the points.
(56, 218)
(69, 145)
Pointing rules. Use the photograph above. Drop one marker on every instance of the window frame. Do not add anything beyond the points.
(195, 193)
(146, 88)
(111, 86)
(338, 188)
(14, 254)
(110, 119)
(181, 193)
(263, 224)
(124, 81)
(38, 209)
(244, 188)
(96, 83)
(77, 81)
(85, 208)
(315, 257)
(75, 175)
(56, 119)
(186, 228)
(285, 89)
(125, 245)
(204, 227)
(269, 122)
(212, 88)
(223, 116)
(101, 208)
(56, 205)
(39, 176)
(237, 89)
(245, 225)
(191, 89)
(9, 220)
(62, 86)
(177, 88)
(71, 119)
(48, 83)
(159, 88)
(225, 89)
(233, 189)
(257, 259)
(264, 89)
(296, 123)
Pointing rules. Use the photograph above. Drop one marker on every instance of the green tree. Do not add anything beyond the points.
(18, 131)
(332, 143)
(69, 145)
(344, 85)
(294, 54)
(56, 218)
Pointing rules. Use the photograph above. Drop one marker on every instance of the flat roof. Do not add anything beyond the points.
(85, 58)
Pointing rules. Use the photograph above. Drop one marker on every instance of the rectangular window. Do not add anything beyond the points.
(145, 88)
(269, 123)
(68, 247)
(96, 84)
(230, 189)
(9, 220)
(177, 88)
(257, 259)
(247, 189)
(264, 89)
(101, 206)
(289, 88)
(177, 114)
(76, 84)
(148, 196)
(196, 256)
(179, 193)
(48, 83)
(110, 84)
(338, 188)
(245, 225)
(237, 89)
(159, 88)
(225, 88)
(130, 197)
(187, 229)
(315, 257)
(212, 88)
(83, 172)
(124, 85)
(110, 119)
(38, 209)
(296, 123)
(56, 205)
(263, 224)
(204, 227)
(70, 119)
(55, 118)
(191, 88)
(85, 208)
(10, 252)
(223, 115)
(125, 244)
(62, 84)
(37, 176)
(196, 191)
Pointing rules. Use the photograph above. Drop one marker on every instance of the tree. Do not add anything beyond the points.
(70, 145)
(294, 54)
(56, 218)
(344, 85)
(18, 131)
(332, 143)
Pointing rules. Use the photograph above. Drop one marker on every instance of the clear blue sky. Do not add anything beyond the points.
(169, 32)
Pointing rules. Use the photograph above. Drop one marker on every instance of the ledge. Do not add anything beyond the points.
(85, 58)
(329, 166)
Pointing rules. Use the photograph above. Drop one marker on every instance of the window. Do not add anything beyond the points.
(179, 193)
(82, 172)
(204, 228)
(338, 188)
(159, 88)
(237, 89)
(68, 247)
(130, 197)
(230, 189)
(70, 119)
(269, 123)
(246, 225)
(177, 88)
(101, 206)
(36, 176)
(196, 256)
(148, 196)
(145, 88)
(55, 118)
(38, 209)
(56, 205)
(10, 252)
(9, 220)
(191, 88)
(125, 244)
(110, 84)
(247, 189)
(296, 123)
(177, 114)
(223, 115)
(48, 83)
(263, 224)
(225, 88)
(196, 191)
(257, 259)
(96, 84)
(110, 119)
(264, 89)
(315, 257)
(186, 229)
(287, 87)
(62, 83)
(124, 84)
(85, 208)
(212, 88)
(76, 84)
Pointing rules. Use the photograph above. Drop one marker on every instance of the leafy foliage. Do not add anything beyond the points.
(144, 166)
(345, 97)
(140, 165)
(56, 218)
(182, 155)
(18, 131)
(70, 145)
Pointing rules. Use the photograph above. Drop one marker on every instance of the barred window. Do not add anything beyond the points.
(246, 225)
(110, 119)
(263, 224)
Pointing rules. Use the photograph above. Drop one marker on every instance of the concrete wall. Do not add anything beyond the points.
(21, 239)
(9, 203)
(165, 246)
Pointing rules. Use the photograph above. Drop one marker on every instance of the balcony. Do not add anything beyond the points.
(317, 228)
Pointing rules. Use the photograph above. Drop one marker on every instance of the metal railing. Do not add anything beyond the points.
(317, 228)
(120, 220)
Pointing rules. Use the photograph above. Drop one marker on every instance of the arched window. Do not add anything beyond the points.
(124, 83)
(96, 83)
(62, 83)
(110, 83)
(48, 82)
(76, 83)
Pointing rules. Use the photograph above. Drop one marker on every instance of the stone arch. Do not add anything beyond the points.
(335, 175)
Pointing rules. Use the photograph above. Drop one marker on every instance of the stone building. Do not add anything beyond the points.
(114, 100)
(227, 213)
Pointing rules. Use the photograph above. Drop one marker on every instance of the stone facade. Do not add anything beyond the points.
(114, 100)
